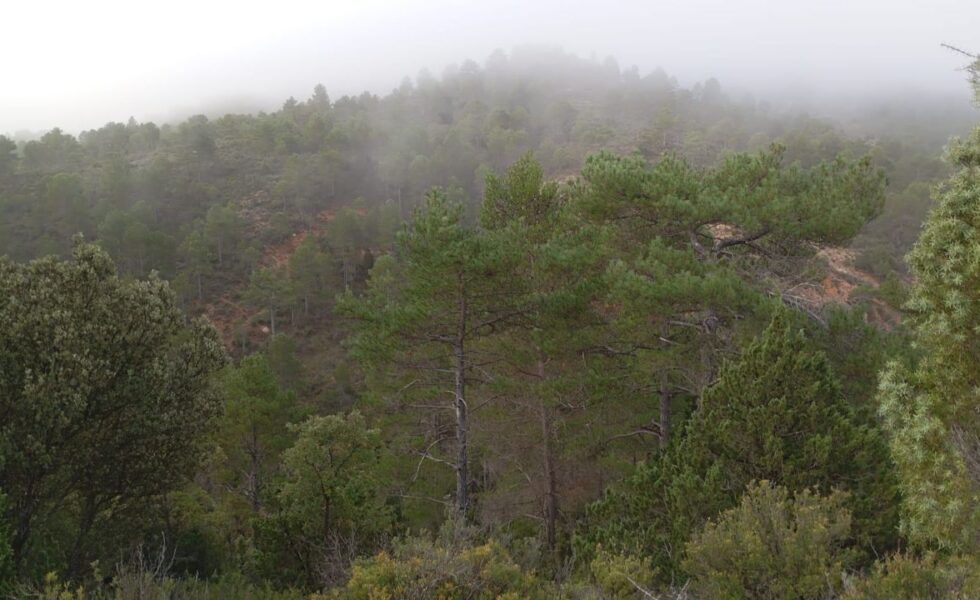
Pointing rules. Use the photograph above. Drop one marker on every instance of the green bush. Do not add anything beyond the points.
(621, 577)
(904, 577)
(448, 568)
(771, 546)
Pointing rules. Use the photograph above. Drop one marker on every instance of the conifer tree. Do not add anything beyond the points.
(697, 249)
(223, 228)
(540, 377)
(270, 288)
(311, 271)
(426, 312)
(252, 433)
(775, 414)
(931, 409)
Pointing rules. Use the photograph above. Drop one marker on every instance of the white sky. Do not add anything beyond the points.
(78, 64)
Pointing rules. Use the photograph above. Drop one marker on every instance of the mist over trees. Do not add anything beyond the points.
(541, 327)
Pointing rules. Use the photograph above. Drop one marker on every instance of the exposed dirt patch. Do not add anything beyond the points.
(841, 285)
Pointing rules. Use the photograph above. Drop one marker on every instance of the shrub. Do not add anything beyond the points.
(771, 546)
(619, 576)
(904, 577)
(448, 568)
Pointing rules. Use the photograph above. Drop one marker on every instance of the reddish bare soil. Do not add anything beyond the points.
(840, 283)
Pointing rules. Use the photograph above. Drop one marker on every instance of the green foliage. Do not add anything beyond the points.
(54, 151)
(331, 481)
(223, 229)
(755, 194)
(771, 546)
(197, 258)
(539, 345)
(271, 289)
(138, 581)
(930, 408)
(449, 287)
(106, 394)
(281, 352)
(775, 414)
(6, 552)
(698, 253)
(620, 576)
(857, 352)
(8, 155)
(312, 273)
(452, 567)
(253, 430)
(331, 500)
(522, 195)
(540, 387)
(906, 577)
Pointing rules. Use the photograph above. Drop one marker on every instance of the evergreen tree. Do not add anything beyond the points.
(311, 272)
(540, 377)
(424, 316)
(252, 433)
(223, 229)
(8, 155)
(697, 250)
(270, 289)
(197, 262)
(931, 409)
(6, 552)
(775, 414)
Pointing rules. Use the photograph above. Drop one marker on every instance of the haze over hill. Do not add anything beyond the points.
(663, 300)
(79, 65)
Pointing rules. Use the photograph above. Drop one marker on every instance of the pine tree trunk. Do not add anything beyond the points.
(254, 483)
(664, 410)
(459, 351)
(551, 496)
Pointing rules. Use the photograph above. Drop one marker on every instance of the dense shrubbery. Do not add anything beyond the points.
(771, 546)
(453, 566)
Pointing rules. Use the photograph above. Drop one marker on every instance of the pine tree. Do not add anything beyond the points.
(697, 251)
(311, 271)
(540, 378)
(223, 229)
(271, 289)
(252, 433)
(427, 309)
(775, 414)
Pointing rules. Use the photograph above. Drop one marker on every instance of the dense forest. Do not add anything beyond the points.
(538, 328)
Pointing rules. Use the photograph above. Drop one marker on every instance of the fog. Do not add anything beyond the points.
(78, 65)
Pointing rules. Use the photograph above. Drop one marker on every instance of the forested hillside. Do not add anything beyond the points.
(543, 327)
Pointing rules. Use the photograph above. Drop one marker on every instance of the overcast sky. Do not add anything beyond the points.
(78, 64)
